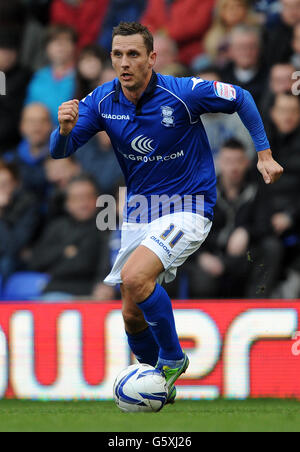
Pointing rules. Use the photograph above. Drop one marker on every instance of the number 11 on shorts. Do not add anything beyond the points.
(168, 232)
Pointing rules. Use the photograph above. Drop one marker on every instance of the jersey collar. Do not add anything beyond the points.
(148, 93)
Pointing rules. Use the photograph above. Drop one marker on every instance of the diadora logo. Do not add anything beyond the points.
(160, 243)
(196, 81)
(117, 117)
(142, 144)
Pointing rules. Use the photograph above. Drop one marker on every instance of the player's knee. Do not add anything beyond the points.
(134, 321)
(136, 285)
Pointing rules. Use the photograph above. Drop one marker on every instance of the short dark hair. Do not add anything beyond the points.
(134, 28)
(234, 144)
(54, 31)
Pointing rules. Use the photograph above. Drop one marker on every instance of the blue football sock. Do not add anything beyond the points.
(159, 315)
(144, 347)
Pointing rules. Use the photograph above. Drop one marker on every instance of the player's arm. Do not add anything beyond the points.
(78, 122)
(217, 97)
(249, 114)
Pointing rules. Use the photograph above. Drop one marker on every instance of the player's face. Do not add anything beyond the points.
(132, 62)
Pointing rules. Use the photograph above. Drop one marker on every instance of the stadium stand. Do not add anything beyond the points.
(24, 286)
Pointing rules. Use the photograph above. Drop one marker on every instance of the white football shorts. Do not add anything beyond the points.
(173, 238)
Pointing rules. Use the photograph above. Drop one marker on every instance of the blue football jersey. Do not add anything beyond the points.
(160, 143)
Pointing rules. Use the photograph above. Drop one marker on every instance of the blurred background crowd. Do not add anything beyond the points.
(54, 50)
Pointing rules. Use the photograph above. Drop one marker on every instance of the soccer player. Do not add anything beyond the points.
(154, 125)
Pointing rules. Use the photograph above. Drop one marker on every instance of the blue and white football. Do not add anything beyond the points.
(140, 387)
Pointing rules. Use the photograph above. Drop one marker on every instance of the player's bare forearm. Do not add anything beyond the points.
(268, 167)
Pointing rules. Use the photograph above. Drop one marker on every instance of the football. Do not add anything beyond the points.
(140, 387)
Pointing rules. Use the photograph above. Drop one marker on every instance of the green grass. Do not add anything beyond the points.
(185, 416)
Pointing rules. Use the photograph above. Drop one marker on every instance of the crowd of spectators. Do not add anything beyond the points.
(52, 51)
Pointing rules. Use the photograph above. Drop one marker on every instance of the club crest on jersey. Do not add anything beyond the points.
(225, 91)
(168, 118)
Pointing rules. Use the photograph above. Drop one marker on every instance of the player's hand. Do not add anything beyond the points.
(68, 116)
(268, 167)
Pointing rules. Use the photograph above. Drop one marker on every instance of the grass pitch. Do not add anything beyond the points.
(185, 416)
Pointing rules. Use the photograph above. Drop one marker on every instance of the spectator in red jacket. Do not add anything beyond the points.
(85, 16)
(186, 22)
